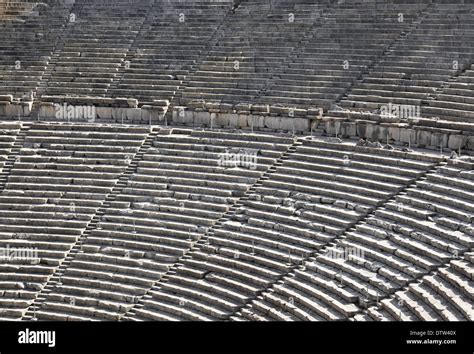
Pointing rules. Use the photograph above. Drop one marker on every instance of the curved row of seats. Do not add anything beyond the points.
(81, 66)
(445, 295)
(168, 47)
(182, 186)
(456, 101)
(358, 54)
(350, 38)
(417, 70)
(8, 136)
(59, 180)
(252, 47)
(414, 234)
(26, 47)
(195, 235)
(313, 196)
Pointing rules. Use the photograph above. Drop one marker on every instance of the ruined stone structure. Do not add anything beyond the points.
(236, 160)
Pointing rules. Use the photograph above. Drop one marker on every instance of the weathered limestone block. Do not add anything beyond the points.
(25, 108)
(328, 127)
(377, 132)
(279, 110)
(300, 112)
(104, 112)
(232, 119)
(150, 114)
(189, 117)
(348, 129)
(13, 110)
(243, 107)
(294, 124)
(212, 105)
(132, 103)
(302, 124)
(118, 114)
(213, 119)
(457, 141)
(146, 114)
(361, 128)
(260, 108)
(423, 138)
(272, 122)
(407, 136)
(47, 110)
(202, 118)
(134, 114)
(179, 115)
(6, 98)
(222, 119)
(439, 139)
(175, 116)
(470, 143)
(394, 133)
(256, 121)
(3, 109)
(287, 124)
(161, 103)
(369, 130)
(226, 108)
(314, 112)
(197, 104)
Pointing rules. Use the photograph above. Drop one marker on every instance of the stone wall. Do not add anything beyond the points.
(420, 132)
(14, 109)
(423, 133)
(101, 110)
(246, 116)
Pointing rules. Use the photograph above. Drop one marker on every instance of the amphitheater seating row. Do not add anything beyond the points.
(60, 178)
(93, 47)
(181, 188)
(350, 38)
(190, 237)
(423, 63)
(418, 232)
(168, 47)
(8, 136)
(252, 47)
(26, 47)
(312, 197)
(456, 101)
(446, 295)
(356, 54)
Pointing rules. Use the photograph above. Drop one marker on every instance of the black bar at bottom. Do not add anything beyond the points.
(221, 337)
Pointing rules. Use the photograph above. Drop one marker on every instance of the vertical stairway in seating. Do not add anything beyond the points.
(121, 183)
(17, 145)
(61, 40)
